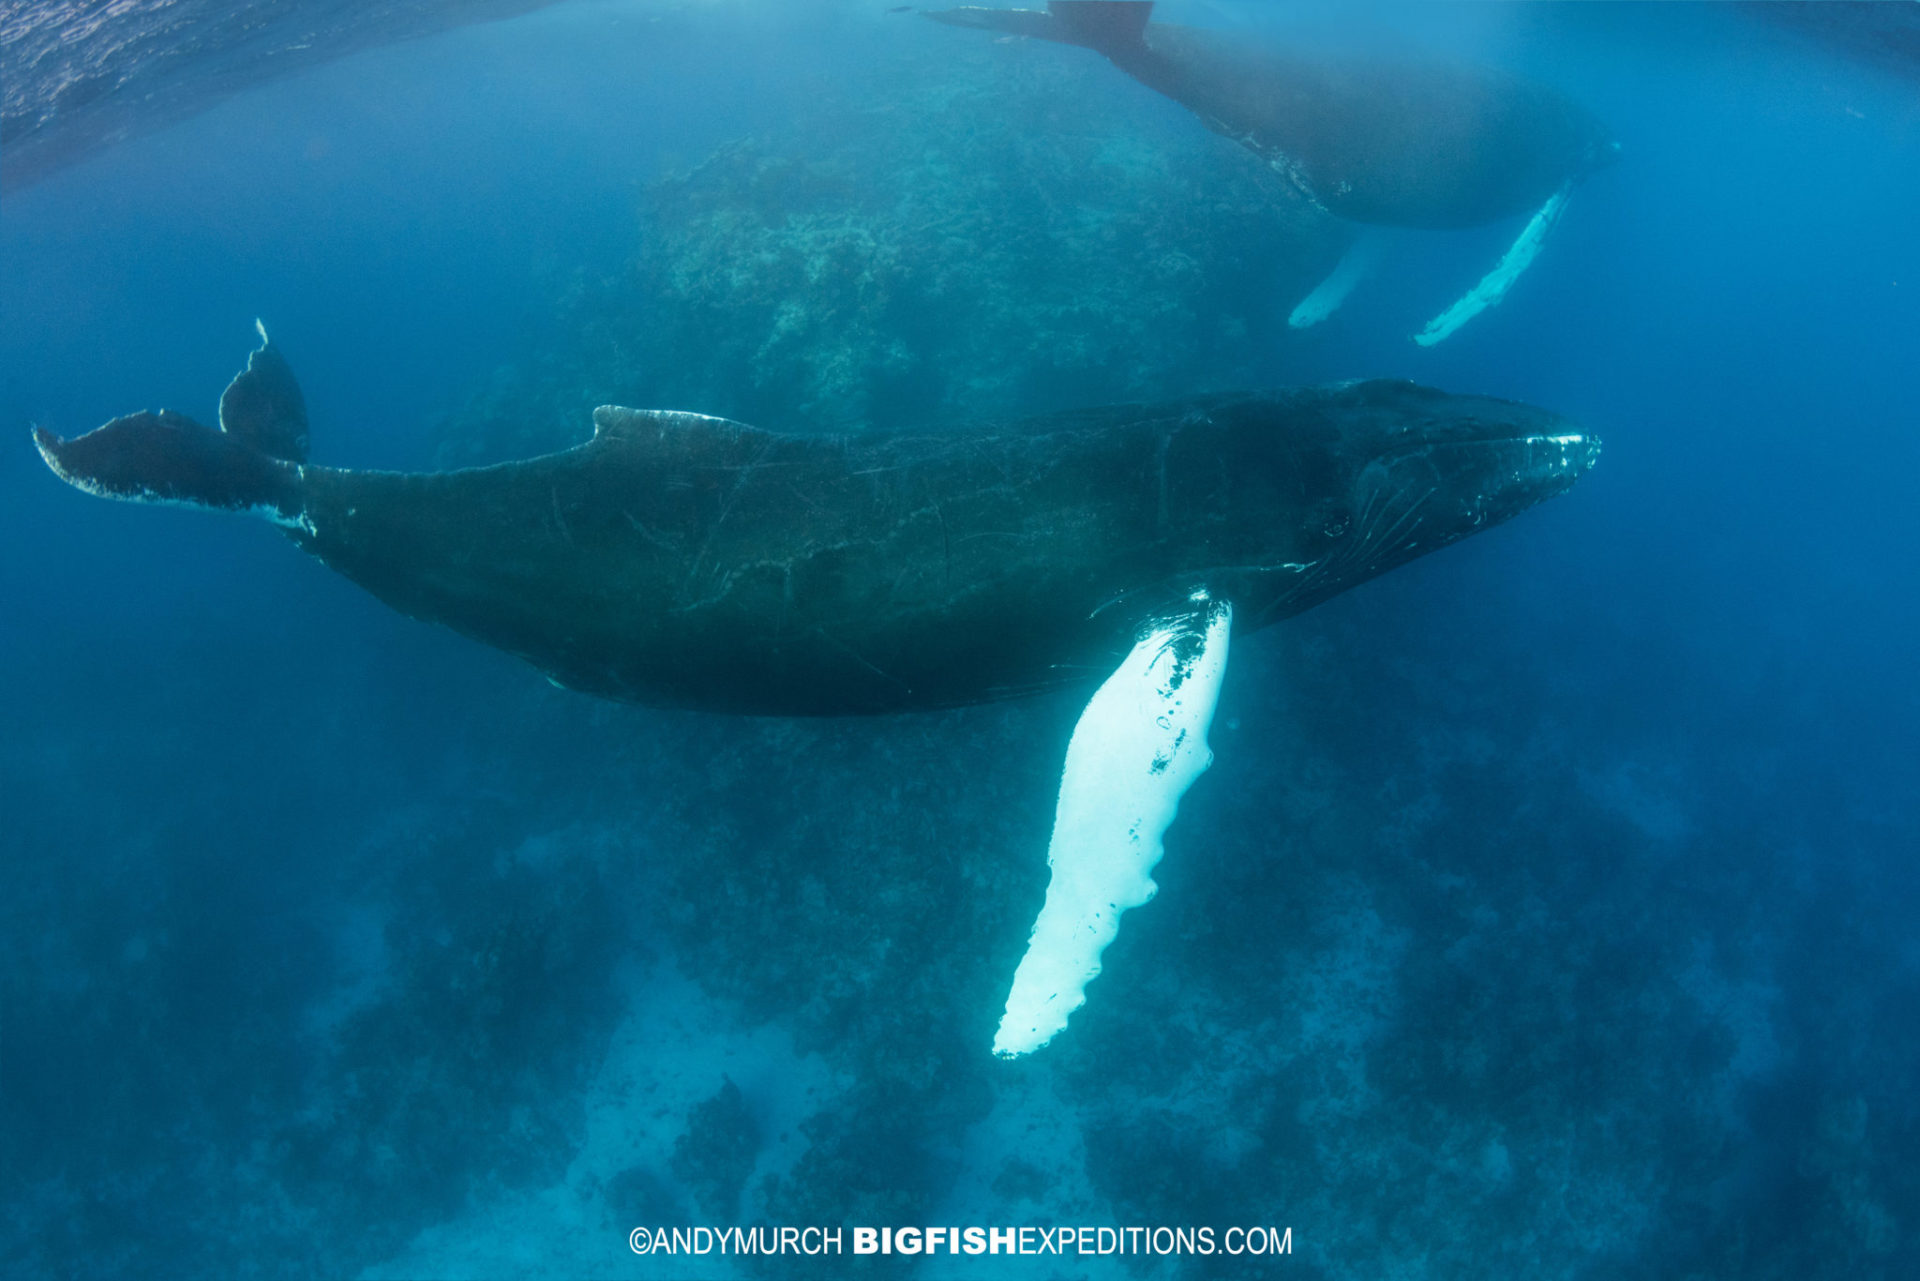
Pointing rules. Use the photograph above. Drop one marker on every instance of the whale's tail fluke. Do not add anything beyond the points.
(263, 405)
(252, 463)
(1108, 26)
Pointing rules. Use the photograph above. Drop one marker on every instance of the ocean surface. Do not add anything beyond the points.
(1549, 910)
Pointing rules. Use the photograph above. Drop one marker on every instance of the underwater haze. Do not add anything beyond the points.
(1549, 909)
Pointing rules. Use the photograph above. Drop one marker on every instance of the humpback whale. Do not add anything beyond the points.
(1388, 143)
(680, 560)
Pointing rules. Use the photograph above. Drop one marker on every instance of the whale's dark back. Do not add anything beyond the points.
(695, 562)
(684, 561)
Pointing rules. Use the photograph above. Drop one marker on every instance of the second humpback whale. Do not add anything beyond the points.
(680, 560)
(1386, 142)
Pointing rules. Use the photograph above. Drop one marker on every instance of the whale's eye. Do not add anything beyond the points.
(1336, 526)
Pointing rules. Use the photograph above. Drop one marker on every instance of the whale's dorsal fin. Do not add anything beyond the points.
(263, 405)
(1138, 747)
(620, 423)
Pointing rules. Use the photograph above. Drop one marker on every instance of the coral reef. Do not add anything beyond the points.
(975, 237)
(713, 1159)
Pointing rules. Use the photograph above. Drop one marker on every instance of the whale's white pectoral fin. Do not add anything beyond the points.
(1493, 287)
(1136, 750)
(1354, 266)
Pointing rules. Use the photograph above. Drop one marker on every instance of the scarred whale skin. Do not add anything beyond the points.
(680, 560)
(1395, 142)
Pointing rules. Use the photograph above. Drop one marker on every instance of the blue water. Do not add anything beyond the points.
(1548, 911)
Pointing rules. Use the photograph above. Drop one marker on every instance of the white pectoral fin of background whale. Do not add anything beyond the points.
(1493, 287)
(1354, 266)
(1136, 750)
